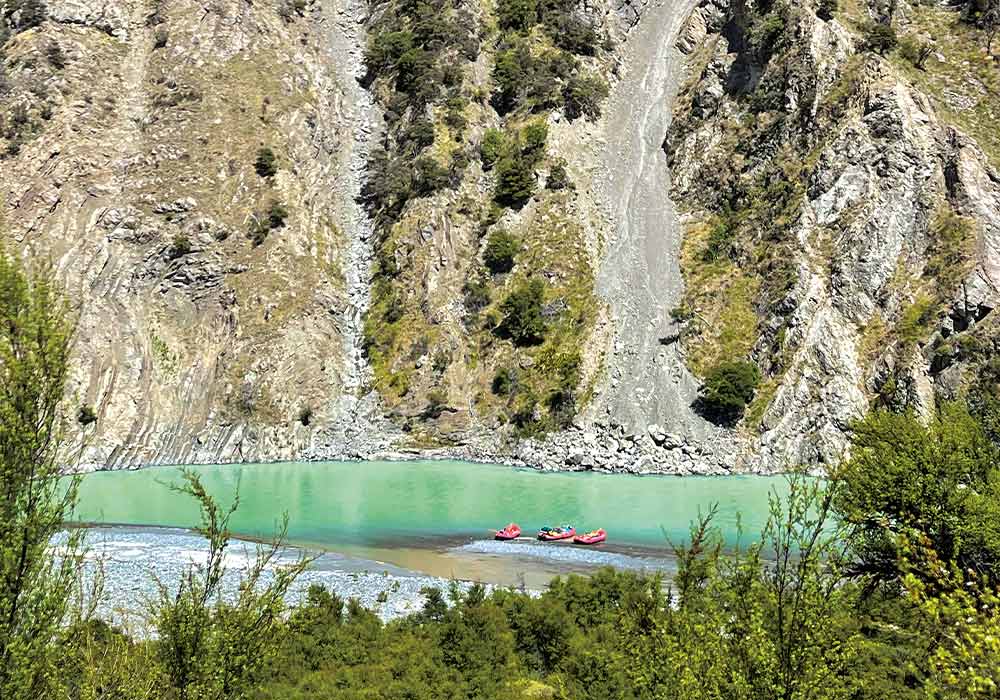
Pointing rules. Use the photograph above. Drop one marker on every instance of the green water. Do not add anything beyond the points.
(395, 503)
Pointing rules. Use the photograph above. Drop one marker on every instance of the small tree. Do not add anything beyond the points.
(492, 148)
(584, 96)
(266, 163)
(35, 588)
(880, 38)
(517, 15)
(826, 9)
(210, 649)
(515, 181)
(501, 249)
(523, 322)
(916, 51)
(728, 388)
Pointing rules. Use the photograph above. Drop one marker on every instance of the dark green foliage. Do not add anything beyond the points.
(522, 309)
(940, 480)
(533, 137)
(767, 31)
(476, 295)
(504, 382)
(515, 181)
(55, 56)
(492, 148)
(385, 50)
(880, 38)
(276, 215)
(558, 177)
(85, 416)
(720, 241)
(517, 15)
(430, 176)
(266, 164)
(179, 246)
(727, 390)
(584, 96)
(262, 224)
(825, 9)
(501, 249)
(305, 415)
(573, 34)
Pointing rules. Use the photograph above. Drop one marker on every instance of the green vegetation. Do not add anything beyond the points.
(880, 38)
(501, 249)
(85, 415)
(261, 224)
(266, 164)
(729, 387)
(180, 246)
(522, 309)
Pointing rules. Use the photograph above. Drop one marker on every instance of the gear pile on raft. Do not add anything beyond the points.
(560, 533)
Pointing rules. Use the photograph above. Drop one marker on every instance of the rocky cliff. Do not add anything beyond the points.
(525, 232)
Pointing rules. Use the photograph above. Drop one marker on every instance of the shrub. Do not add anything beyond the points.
(492, 147)
(160, 38)
(429, 176)
(558, 177)
(305, 415)
(476, 295)
(386, 49)
(583, 96)
(523, 322)
(266, 163)
(534, 136)
(916, 51)
(276, 215)
(504, 382)
(180, 246)
(55, 56)
(728, 388)
(515, 181)
(501, 249)
(572, 33)
(825, 9)
(765, 33)
(517, 15)
(85, 416)
(33, 13)
(720, 242)
(880, 38)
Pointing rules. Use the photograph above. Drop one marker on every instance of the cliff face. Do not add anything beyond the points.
(212, 289)
(858, 228)
(310, 229)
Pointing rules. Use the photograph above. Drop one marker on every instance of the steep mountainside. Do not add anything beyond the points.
(568, 234)
(843, 231)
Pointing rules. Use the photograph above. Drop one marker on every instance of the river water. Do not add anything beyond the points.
(390, 528)
(385, 505)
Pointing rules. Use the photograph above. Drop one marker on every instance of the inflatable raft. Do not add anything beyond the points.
(511, 532)
(554, 534)
(595, 537)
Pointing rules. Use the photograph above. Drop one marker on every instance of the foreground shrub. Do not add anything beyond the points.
(500, 252)
(522, 309)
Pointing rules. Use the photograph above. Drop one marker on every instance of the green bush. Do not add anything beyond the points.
(727, 390)
(584, 96)
(266, 164)
(825, 9)
(515, 181)
(276, 215)
(501, 249)
(516, 15)
(429, 176)
(504, 382)
(880, 38)
(385, 50)
(558, 177)
(493, 146)
(522, 309)
(85, 416)
(915, 50)
(534, 136)
(476, 295)
(179, 246)
(55, 56)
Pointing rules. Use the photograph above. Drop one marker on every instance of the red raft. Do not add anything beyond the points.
(554, 534)
(511, 532)
(595, 537)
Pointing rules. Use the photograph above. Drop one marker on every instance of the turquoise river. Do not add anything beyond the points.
(385, 510)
